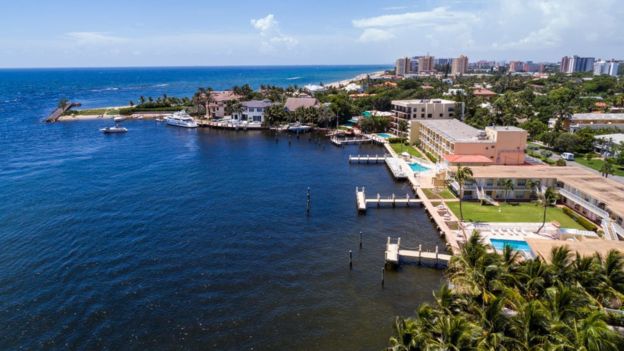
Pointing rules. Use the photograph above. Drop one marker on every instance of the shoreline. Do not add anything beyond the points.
(344, 82)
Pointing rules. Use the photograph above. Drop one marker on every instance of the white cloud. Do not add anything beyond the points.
(271, 35)
(94, 38)
(374, 35)
(265, 24)
(437, 16)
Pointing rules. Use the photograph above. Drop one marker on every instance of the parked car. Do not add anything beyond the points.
(568, 156)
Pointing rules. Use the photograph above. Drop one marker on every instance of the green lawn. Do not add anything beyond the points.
(96, 111)
(523, 212)
(399, 148)
(435, 194)
(597, 163)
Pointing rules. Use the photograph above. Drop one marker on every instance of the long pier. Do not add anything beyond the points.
(367, 158)
(58, 112)
(362, 202)
(394, 254)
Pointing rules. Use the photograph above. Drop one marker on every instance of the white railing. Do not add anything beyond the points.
(618, 229)
(581, 201)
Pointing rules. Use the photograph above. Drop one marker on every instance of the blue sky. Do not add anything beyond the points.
(67, 33)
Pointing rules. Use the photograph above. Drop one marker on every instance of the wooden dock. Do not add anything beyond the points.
(367, 158)
(394, 254)
(393, 201)
(58, 112)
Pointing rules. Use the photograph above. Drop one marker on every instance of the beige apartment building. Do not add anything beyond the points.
(426, 64)
(407, 110)
(454, 142)
(459, 66)
(597, 198)
(594, 121)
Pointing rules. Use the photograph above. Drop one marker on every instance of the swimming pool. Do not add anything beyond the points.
(417, 167)
(518, 245)
(385, 135)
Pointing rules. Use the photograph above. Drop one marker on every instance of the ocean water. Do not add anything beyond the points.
(166, 238)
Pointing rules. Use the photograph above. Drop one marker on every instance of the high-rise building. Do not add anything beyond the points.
(402, 66)
(460, 65)
(516, 66)
(606, 67)
(564, 67)
(571, 64)
(414, 64)
(425, 64)
(443, 61)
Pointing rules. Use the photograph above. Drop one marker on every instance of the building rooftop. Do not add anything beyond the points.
(587, 248)
(453, 129)
(605, 190)
(257, 103)
(505, 129)
(615, 138)
(422, 101)
(467, 159)
(293, 103)
(483, 92)
(597, 116)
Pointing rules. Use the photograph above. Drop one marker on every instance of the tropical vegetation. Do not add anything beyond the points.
(504, 302)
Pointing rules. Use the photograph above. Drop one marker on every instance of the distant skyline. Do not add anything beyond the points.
(71, 33)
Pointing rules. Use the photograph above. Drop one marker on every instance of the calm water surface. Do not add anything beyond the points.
(166, 238)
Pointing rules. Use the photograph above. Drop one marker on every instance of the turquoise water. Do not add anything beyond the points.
(518, 245)
(417, 167)
(385, 135)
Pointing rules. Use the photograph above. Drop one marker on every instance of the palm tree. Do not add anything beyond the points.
(509, 186)
(550, 195)
(607, 167)
(462, 175)
(534, 186)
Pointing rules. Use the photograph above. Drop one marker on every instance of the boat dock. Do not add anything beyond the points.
(395, 167)
(394, 254)
(349, 141)
(394, 201)
(58, 112)
(367, 158)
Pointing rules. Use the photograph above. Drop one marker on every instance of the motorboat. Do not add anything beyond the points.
(181, 119)
(114, 130)
(299, 128)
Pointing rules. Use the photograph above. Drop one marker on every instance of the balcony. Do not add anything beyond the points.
(586, 204)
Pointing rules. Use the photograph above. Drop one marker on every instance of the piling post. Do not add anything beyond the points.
(308, 205)
(407, 200)
(419, 253)
(378, 200)
(350, 259)
(393, 200)
(383, 271)
(360, 239)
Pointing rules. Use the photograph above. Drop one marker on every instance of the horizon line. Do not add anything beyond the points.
(196, 66)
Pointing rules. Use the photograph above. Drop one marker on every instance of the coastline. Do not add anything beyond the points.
(344, 82)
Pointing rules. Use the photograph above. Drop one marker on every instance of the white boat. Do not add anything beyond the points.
(119, 118)
(113, 130)
(298, 128)
(181, 119)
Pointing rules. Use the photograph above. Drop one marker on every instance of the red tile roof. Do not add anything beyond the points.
(483, 92)
(467, 159)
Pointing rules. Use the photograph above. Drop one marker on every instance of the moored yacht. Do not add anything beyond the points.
(298, 128)
(181, 119)
(114, 130)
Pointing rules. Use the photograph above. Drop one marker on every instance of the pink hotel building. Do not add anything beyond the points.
(454, 142)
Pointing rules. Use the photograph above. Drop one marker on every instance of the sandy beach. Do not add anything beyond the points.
(136, 116)
(373, 75)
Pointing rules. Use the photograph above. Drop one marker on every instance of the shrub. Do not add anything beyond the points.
(397, 140)
(560, 162)
(431, 157)
(587, 224)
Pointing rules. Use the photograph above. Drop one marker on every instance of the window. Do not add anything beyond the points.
(422, 115)
(441, 115)
(429, 115)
